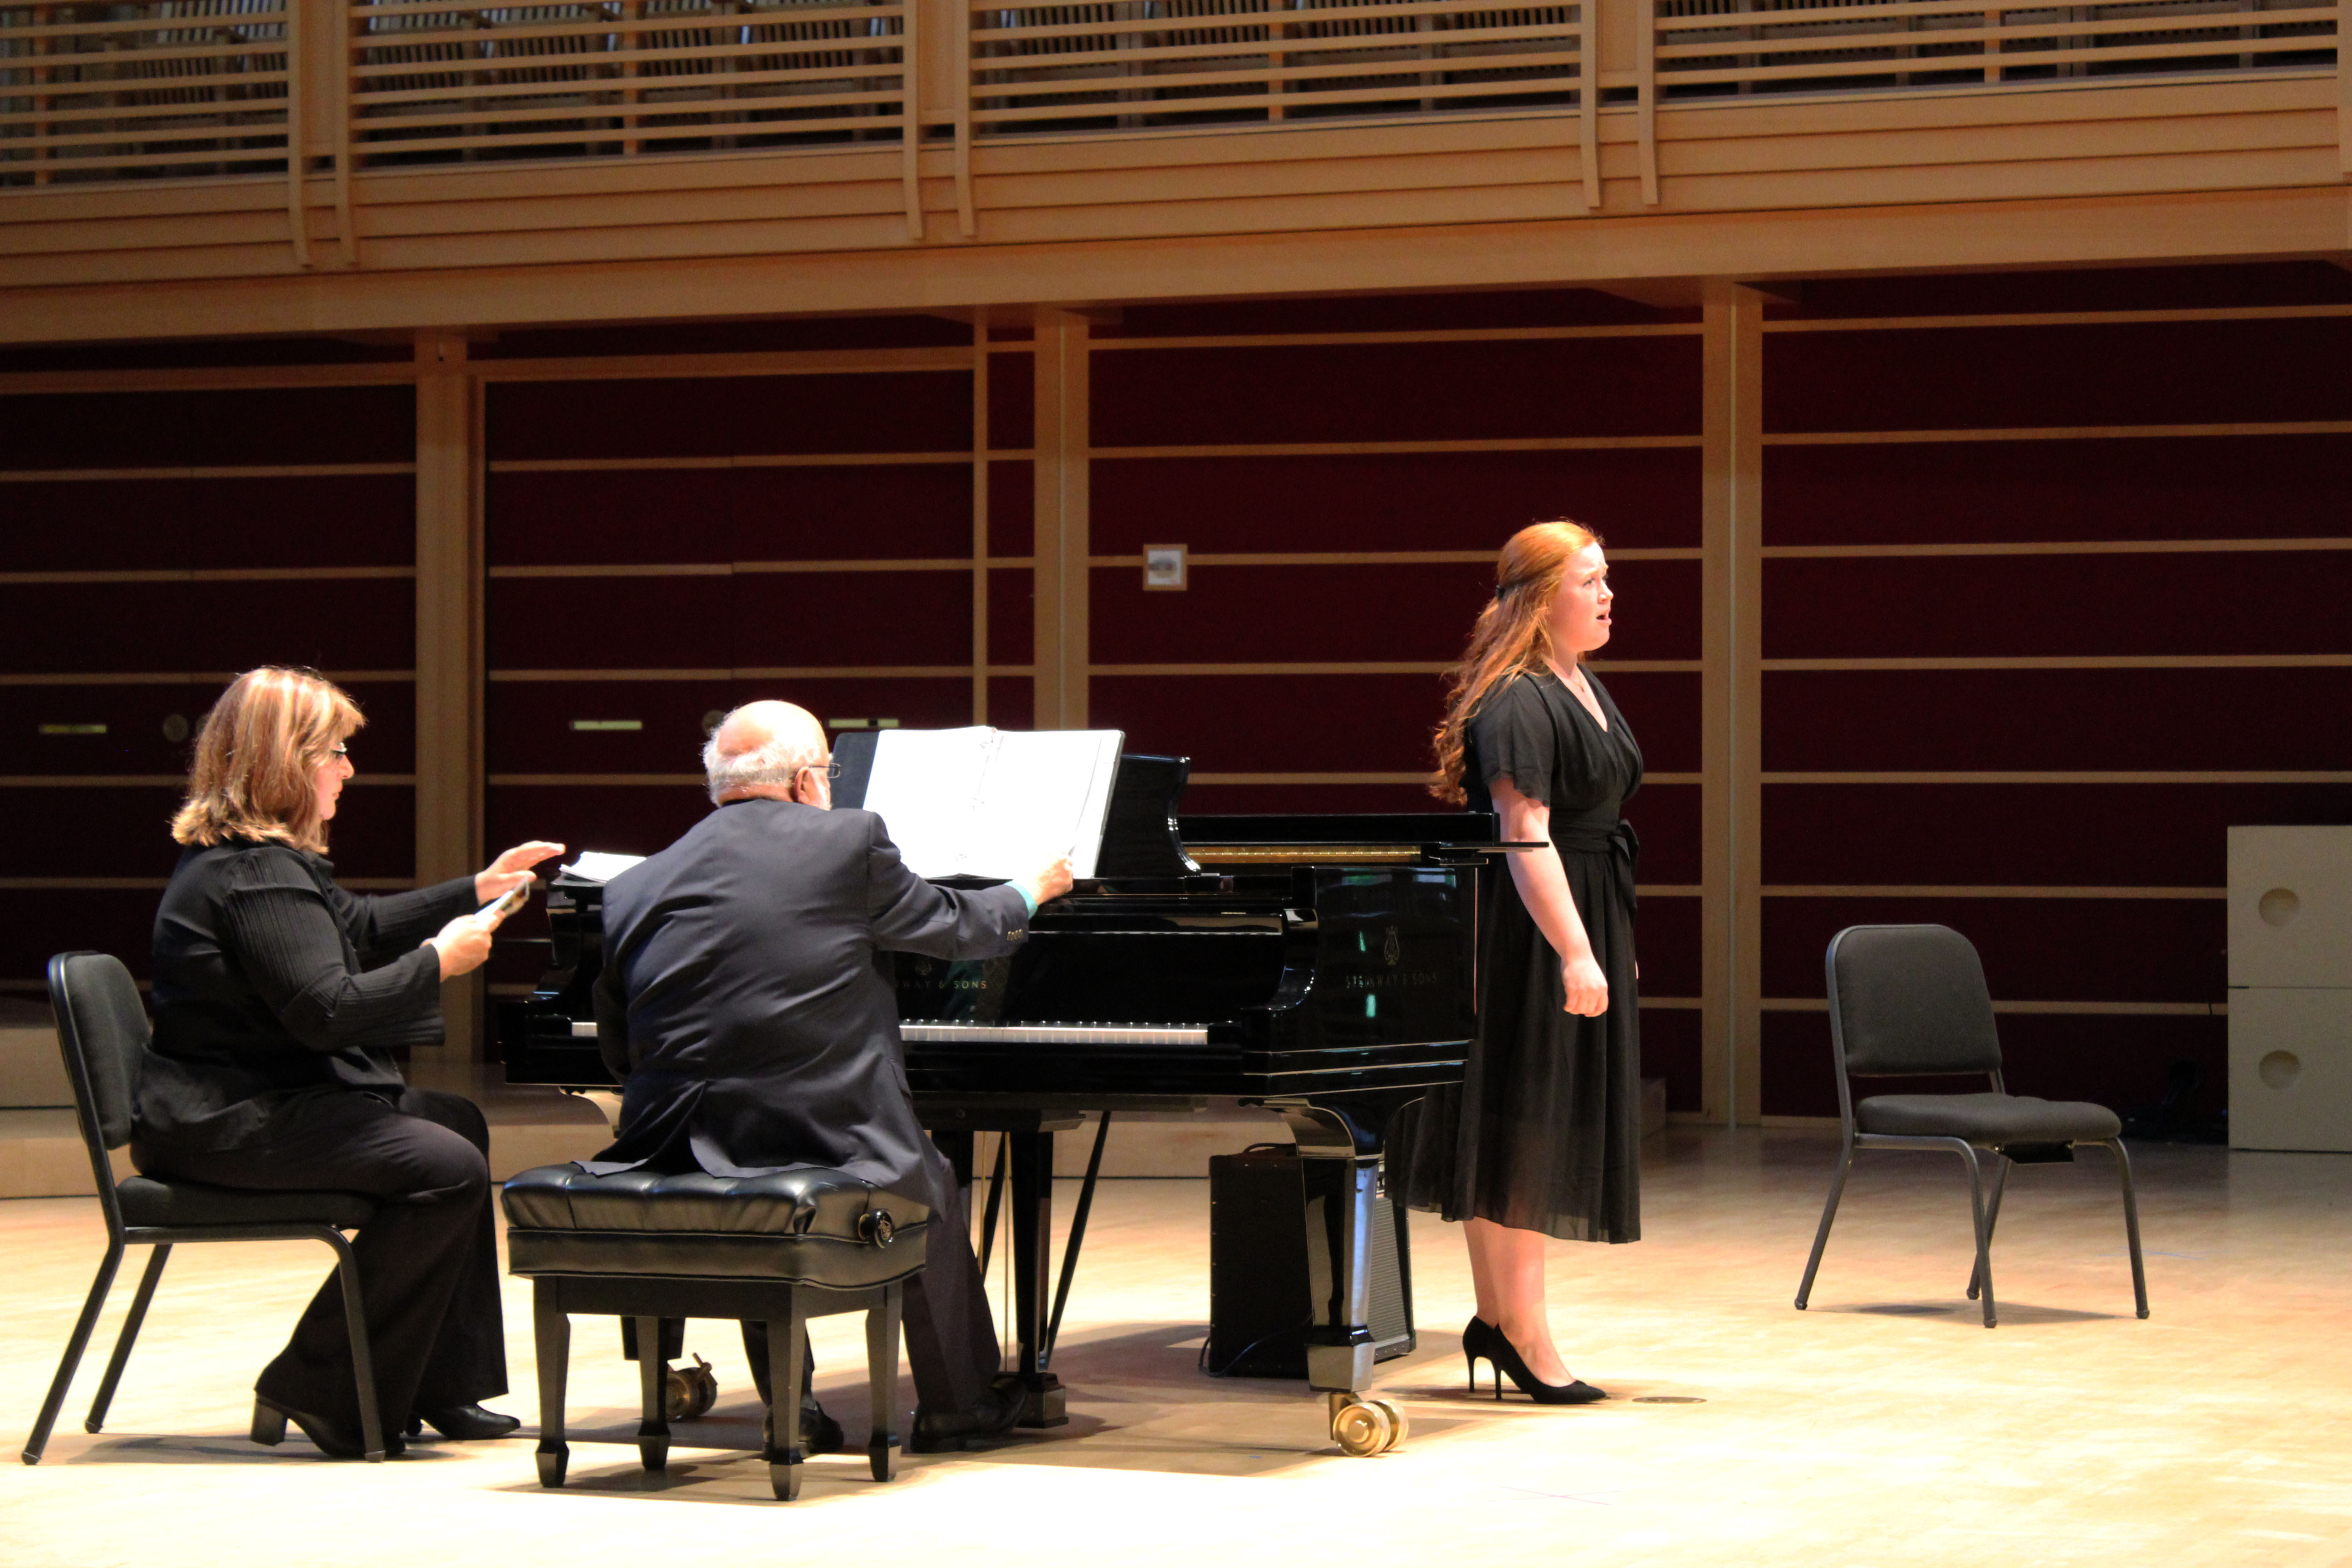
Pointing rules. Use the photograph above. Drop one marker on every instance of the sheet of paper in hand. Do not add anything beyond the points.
(982, 802)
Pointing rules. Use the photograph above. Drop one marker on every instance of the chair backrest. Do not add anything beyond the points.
(103, 1033)
(1909, 999)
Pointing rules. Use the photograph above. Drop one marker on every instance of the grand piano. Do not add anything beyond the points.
(1320, 966)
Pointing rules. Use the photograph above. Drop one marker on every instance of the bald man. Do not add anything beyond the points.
(747, 1000)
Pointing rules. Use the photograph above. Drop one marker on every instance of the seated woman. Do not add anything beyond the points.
(279, 1000)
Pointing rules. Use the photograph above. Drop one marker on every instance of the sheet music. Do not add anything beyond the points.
(597, 866)
(981, 802)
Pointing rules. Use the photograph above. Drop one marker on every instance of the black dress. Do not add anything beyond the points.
(1543, 1133)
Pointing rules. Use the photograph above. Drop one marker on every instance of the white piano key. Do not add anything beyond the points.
(1055, 1034)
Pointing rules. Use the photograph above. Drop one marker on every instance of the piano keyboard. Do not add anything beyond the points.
(1055, 1034)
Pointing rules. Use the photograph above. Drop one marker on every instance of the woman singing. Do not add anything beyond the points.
(278, 999)
(1542, 1137)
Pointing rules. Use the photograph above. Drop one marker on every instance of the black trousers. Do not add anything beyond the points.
(950, 1335)
(428, 1262)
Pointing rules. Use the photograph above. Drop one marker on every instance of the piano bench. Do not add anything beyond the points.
(779, 1248)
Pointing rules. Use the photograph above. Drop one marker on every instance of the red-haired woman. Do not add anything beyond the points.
(278, 999)
(1542, 1139)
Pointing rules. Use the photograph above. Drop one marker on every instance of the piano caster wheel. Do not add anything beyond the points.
(1368, 1426)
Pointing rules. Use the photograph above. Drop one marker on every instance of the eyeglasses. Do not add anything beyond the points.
(831, 771)
(341, 753)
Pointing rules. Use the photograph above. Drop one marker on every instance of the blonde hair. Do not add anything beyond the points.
(1513, 633)
(256, 754)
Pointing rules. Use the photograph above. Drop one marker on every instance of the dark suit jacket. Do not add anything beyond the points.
(747, 988)
(272, 982)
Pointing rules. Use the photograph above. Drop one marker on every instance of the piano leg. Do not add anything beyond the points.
(1032, 1231)
(1342, 1182)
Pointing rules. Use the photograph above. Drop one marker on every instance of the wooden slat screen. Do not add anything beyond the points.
(1162, 63)
(1707, 48)
(434, 82)
(170, 88)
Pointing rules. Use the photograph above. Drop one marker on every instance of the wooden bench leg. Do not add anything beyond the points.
(788, 1378)
(551, 1329)
(653, 1381)
(882, 1383)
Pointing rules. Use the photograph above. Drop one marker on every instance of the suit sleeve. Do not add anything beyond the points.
(907, 914)
(281, 931)
(612, 1020)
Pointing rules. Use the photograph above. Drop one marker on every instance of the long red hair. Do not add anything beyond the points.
(1513, 633)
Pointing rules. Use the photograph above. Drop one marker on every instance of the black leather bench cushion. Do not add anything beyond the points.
(804, 1227)
(792, 1202)
(148, 1202)
(1988, 1117)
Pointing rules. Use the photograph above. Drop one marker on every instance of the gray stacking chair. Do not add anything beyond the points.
(102, 1034)
(1911, 1001)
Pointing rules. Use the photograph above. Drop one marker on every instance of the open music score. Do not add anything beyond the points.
(982, 802)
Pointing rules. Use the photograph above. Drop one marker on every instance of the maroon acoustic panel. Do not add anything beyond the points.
(2227, 285)
(97, 525)
(2057, 719)
(1226, 799)
(1666, 941)
(1013, 507)
(293, 521)
(388, 744)
(614, 517)
(1012, 402)
(1673, 1049)
(865, 512)
(802, 334)
(799, 618)
(2204, 487)
(2057, 605)
(2138, 373)
(2122, 1063)
(215, 428)
(1635, 497)
(1661, 711)
(1667, 818)
(575, 726)
(48, 922)
(930, 703)
(1013, 703)
(622, 819)
(91, 830)
(609, 623)
(133, 739)
(719, 416)
(1396, 391)
(330, 623)
(87, 628)
(2037, 835)
(375, 830)
(1012, 616)
(1358, 611)
(2034, 950)
(1275, 723)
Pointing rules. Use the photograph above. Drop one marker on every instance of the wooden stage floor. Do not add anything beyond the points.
(1886, 1425)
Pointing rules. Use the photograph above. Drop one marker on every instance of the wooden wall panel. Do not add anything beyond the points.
(94, 524)
(302, 520)
(2122, 1062)
(611, 516)
(726, 415)
(77, 628)
(856, 618)
(2049, 950)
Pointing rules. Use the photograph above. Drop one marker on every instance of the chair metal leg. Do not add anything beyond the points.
(1821, 1236)
(552, 1340)
(1984, 1232)
(1992, 1210)
(347, 1269)
(882, 1382)
(652, 1382)
(2131, 1224)
(75, 1345)
(785, 1456)
(154, 1272)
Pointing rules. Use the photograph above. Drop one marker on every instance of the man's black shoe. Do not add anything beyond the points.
(820, 1433)
(469, 1423)
(939, 1432)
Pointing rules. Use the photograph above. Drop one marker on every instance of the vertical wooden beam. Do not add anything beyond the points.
(1731, 705)
(1063, 436)
(448, 642)
(980, 546)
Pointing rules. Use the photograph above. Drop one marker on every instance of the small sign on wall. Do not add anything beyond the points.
(1163, 567)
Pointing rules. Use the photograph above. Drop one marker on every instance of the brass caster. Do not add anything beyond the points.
(1366, 1427)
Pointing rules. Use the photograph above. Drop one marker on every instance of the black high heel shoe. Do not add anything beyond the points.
(327, 1433)
(1507, 1361)
(1478, 1336)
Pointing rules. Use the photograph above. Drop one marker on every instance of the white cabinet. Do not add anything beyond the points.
(2291, 988)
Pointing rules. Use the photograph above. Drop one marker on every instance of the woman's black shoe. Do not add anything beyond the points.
(820, 1433)
(1478, 1343)
(469, 1423)
(1507, 1363)
(329, 1435)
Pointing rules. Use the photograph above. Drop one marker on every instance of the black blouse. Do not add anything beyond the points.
(271, 981)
